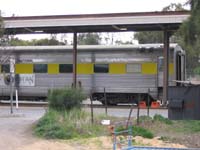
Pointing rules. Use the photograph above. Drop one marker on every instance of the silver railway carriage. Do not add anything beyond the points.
(124, 72)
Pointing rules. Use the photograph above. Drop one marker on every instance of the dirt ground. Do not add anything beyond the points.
(16, 134)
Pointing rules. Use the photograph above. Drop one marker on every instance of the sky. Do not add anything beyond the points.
(65, 7)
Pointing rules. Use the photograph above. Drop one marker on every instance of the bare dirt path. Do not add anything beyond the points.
(16, 134)
(15, 129)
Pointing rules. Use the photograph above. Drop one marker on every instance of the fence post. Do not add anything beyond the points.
(129, 116)
(148, 102)
(16, 99)
(138, 110)
(92, 112)
(106, 105)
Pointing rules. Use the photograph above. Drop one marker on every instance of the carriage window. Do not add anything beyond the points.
(65, 68)
(160, 63)
(5, 68)
(40, 68)
(133, 68)
(101, 68)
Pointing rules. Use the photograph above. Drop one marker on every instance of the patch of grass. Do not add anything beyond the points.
(193, 125)
(145, 118)
(164, 138)
(138, 131)
(188, 126)
(67, 125)
(139, 143)
(160, 118)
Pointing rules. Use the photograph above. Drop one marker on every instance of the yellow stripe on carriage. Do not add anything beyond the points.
(149, 68)
(117, 68)
(53, 68)
(23, 68)
(85, 68)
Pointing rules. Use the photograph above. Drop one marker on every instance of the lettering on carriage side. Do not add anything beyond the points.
(24, 80)
(27, 80)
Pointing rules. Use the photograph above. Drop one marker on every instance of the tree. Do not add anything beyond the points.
(119, 42)
(190, 36)
(41, 42)
(4, 55)
(89, 39)
(18, 42)
(46, 41)
(149, 37)
(1, 27)
(191, 28)
(174, 7)
(157, 36)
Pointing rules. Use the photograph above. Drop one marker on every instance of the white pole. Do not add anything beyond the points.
(16, 95)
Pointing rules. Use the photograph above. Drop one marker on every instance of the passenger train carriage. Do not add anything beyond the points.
(124, 72)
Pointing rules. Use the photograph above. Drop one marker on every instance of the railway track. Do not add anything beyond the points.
(119, 106)
(45, 104)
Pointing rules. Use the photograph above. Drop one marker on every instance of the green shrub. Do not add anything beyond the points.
(65, 99)
(162, 119)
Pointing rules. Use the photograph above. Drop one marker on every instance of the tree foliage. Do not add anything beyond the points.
(157, 36)
(174, 7)
(41, 42)
(119, 42)
(149, 37)
(89, 39)
(191, 28)
(1, 26)
(190, 36)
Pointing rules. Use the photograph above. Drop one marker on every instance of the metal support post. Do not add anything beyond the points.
(92, 111)
(74, 59)
(11, 92)
(12, 79)
(138, 110)
(16, 99)
(166, 66)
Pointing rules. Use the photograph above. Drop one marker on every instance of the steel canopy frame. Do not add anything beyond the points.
(114, 22)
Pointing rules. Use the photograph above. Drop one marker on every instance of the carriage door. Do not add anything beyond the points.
(180, 67)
